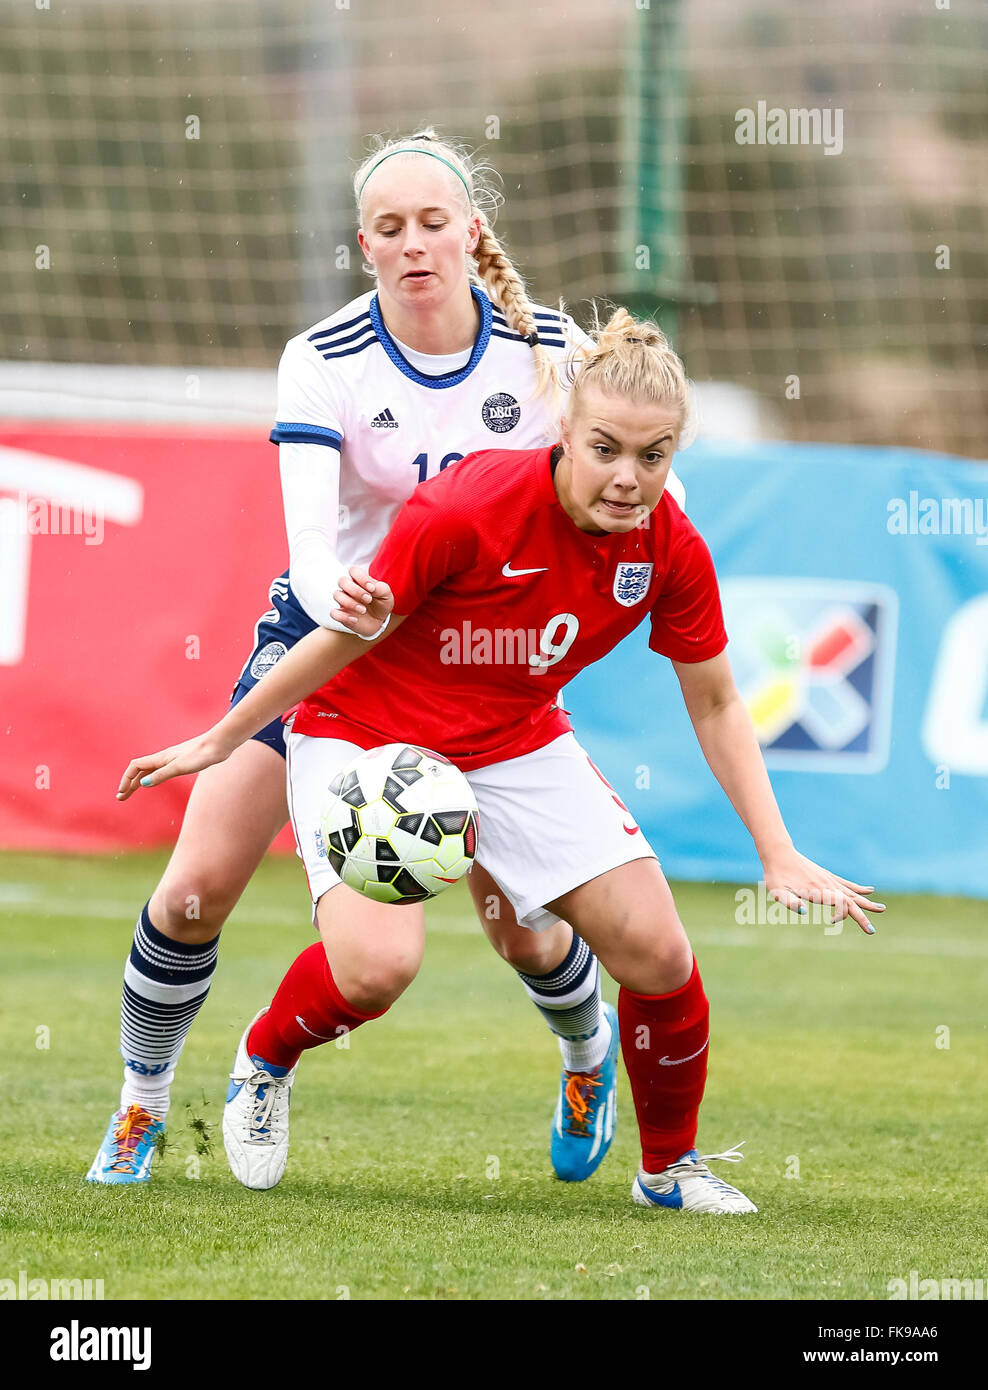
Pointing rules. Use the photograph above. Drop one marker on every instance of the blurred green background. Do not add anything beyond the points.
(612, 127)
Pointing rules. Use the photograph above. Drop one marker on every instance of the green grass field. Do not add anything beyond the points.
(420, 1157)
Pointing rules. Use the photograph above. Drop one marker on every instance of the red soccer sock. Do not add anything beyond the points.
(307, 1011)
(664, 1045)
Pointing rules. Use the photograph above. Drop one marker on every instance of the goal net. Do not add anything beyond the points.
(176, 182)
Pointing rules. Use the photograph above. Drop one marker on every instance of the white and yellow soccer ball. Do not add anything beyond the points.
(400, 824)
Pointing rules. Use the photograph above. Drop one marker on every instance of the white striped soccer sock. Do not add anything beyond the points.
(568, 998)
(165, 986)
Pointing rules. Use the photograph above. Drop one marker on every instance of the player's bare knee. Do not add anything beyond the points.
(660, 968)
(533, 953)
(191, 908)
(503, 936)
(529, 959)
(648, 957)
(374, 983)
(671, 963)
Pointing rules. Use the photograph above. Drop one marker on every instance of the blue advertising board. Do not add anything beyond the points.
(855, 591)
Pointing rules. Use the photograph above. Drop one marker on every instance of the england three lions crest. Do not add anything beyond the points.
(631, 583)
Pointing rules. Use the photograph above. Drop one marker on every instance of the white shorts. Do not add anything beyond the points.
(548, 821)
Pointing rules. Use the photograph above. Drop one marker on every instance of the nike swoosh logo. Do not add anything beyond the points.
(509, 573)
(631, 829)
(678, 1061)
(302, 1023)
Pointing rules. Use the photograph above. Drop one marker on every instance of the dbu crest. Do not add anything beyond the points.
(267, 657)
(631, 583)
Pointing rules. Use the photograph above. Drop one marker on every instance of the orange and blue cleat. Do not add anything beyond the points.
(586, 1114)
(128, 1147)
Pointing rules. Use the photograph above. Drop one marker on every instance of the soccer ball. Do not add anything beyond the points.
(400, 824)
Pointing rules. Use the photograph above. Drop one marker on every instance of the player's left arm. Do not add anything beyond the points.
(427, 541)
(727, 737)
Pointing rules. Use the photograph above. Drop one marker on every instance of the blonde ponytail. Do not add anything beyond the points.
(507, 289)
(634, 359)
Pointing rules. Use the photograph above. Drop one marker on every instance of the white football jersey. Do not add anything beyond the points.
(382, 425)
(345, 384)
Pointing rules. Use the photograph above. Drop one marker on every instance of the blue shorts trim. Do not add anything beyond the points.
(275, 632)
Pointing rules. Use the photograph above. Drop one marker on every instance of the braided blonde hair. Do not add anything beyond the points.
(634, 359)
(492, 266)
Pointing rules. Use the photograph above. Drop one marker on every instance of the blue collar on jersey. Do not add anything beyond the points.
(438, 383)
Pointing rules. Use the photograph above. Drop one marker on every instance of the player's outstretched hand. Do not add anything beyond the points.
(794, 880)
(364, 603)
(154, 768)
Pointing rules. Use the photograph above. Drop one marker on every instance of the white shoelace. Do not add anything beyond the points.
(258, 1131)
(697, 1168)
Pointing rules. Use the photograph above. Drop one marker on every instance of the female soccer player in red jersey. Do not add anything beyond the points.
(392, 388)
(573, 543)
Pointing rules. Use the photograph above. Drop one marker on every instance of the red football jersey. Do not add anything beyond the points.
(505, 602)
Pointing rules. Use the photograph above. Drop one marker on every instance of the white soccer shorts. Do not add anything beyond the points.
(549, 822)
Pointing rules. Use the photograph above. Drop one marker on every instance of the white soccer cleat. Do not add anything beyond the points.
(255, 1119)
(689, 1185)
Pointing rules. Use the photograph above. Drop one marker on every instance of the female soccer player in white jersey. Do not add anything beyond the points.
(385, 393)
(549, 541)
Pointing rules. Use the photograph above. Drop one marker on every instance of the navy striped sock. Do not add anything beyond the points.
(568, 998)
(165, 986)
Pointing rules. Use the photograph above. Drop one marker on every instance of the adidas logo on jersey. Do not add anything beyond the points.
(384, 421)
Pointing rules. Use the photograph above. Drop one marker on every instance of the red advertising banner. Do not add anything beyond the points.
(134, 563)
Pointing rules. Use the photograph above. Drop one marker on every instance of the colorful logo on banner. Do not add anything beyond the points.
(815, 663)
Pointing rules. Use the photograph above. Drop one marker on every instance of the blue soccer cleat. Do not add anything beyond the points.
(128, 1147)
(586, 1114)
